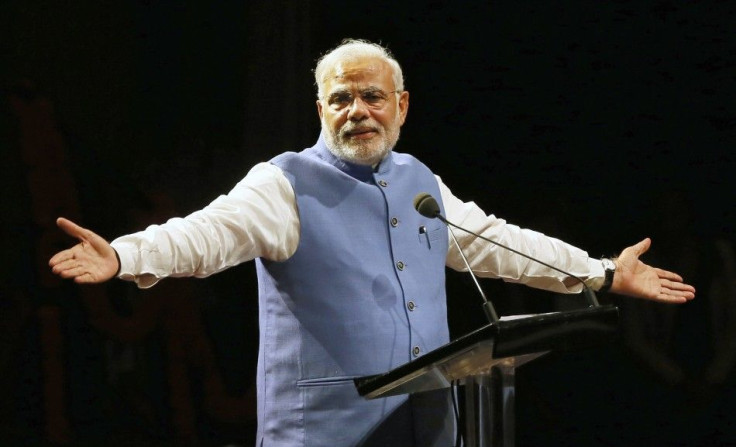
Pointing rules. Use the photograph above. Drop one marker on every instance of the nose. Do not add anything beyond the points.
(358, 110)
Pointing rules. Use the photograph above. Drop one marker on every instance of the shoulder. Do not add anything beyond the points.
(286, 159)
(402, 158)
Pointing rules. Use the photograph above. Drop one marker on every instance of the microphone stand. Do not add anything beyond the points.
(488, 308)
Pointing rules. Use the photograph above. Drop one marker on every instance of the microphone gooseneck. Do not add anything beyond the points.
(427, 206)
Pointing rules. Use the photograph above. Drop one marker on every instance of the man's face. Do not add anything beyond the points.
(360, 111)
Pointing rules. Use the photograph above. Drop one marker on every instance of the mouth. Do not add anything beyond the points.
(361, 133)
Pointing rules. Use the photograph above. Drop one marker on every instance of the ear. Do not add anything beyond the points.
(403, 106)
(319, 109)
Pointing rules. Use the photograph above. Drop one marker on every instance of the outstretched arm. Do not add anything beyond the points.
(637, 279)
(92, 260)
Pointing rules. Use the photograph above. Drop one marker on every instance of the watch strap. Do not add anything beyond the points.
(609, 268)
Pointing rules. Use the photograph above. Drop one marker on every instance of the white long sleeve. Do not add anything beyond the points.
(491, 261)
(259, 218)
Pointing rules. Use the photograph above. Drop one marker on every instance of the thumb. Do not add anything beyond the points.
(642, 247)
(82, 234)
(71, 228)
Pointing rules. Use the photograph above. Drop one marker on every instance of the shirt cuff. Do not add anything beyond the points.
(126, 257)
(597, 274)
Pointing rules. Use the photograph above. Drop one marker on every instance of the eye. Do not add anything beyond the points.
(373, 98)
(340, 99)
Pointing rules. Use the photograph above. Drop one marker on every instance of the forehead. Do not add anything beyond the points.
(359, 72)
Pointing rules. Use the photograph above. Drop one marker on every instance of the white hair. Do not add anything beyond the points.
(353, 48)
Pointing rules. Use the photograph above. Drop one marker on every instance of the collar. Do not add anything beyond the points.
(360, 172)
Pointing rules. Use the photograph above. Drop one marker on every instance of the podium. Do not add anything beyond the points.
(485, 360)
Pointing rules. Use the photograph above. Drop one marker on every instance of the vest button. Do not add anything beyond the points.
(383, 183)
(410, 305)
(416, 351)
(394, 222)
(400, 265)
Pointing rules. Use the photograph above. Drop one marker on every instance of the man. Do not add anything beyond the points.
(351, 277)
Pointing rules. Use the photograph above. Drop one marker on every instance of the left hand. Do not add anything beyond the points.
(634, 278)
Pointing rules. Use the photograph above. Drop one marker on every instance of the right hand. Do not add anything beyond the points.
(92, 260)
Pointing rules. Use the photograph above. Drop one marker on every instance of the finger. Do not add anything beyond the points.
(684, 293)
(86, 278)
(72, 263)
(673, 298)
(61, 257)
(642, 247)
(65, 265)
(76, 252)
(681, 293)
(664, 298)
(73, 272)
(676, 284)
(83, 234)
(666, 274)
(71, 228)
(685, 288)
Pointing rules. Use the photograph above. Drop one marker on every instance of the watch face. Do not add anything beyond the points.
(608, 264)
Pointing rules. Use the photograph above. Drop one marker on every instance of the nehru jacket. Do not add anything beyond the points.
(363, 293)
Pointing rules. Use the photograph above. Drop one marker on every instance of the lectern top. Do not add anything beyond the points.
(510, 341)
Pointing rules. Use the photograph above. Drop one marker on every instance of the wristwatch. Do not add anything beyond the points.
(610, 268)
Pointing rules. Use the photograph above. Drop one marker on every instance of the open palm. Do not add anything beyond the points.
(92, 260)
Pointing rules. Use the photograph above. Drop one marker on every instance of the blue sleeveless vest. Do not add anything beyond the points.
(363, 293)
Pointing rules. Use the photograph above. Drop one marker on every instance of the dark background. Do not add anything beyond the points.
(597, 122)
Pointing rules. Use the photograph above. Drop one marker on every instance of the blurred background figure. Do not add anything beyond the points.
(85, 364)
(687, 353)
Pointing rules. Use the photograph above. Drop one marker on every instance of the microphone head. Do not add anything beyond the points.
(426, 205)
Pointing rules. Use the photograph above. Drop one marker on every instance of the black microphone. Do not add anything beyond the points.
(427, 206)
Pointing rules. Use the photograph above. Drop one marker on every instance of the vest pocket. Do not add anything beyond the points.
(326, 381)
(431, 236)
(332, 404)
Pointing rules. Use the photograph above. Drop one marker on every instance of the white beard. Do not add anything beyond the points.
(361, 152)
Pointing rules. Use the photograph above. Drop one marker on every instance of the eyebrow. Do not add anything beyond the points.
(342, 91)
